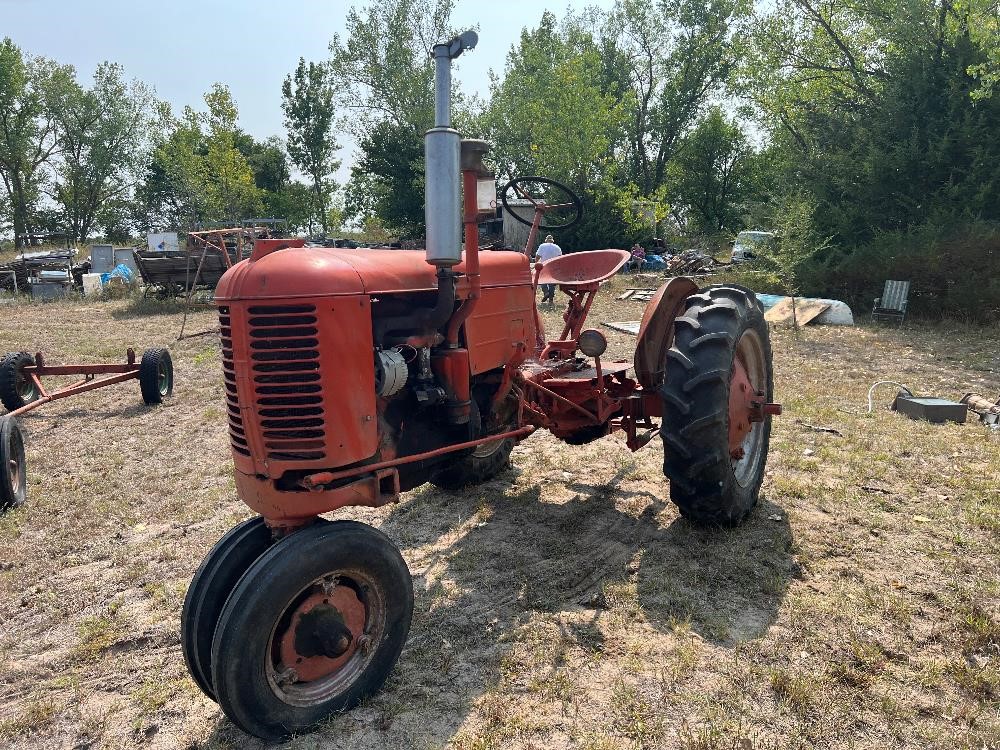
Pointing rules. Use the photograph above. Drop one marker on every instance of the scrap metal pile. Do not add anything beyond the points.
(44, 267)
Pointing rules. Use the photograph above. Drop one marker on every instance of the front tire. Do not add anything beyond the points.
(210, 587)
(313, 627)
(719, 339)
(482, 464)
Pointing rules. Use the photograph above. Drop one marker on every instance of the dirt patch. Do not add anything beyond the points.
(564, 604)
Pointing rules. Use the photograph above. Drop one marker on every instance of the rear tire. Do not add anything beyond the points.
(13, 476)
(16, 389)
(270, 667)
(156, 376)
(482, 464)
(707, 484)
(210, 587)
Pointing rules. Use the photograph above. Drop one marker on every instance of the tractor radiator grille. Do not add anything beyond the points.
(237, 432)
(285, 378)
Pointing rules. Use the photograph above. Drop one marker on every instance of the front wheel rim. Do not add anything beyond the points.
(487, 449)
(15, 460)
(25, 387)
(296, 673)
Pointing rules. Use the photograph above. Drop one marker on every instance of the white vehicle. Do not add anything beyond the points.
(747, 245)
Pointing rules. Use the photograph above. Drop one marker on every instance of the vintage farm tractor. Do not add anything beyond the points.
(353, 375)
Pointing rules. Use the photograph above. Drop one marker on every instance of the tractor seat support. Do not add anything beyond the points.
(582, 269)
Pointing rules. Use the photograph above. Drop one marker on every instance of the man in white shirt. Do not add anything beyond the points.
(546, 251)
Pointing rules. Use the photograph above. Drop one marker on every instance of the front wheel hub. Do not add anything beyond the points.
(322, 634)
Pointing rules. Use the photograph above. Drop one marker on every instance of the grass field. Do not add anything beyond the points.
(564, 604)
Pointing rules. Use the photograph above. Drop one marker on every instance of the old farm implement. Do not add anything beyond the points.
(22, 391)
(354, 375)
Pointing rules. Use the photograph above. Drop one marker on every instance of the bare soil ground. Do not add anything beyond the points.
(564, 604)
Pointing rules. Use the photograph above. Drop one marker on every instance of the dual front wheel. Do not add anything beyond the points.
(284, 634)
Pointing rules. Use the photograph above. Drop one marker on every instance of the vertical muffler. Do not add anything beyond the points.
(442, 209)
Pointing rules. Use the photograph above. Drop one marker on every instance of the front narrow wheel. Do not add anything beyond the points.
(211, 586)
(716, 393)
(314, 626)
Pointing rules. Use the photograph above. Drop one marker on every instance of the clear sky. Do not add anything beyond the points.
(182, 47)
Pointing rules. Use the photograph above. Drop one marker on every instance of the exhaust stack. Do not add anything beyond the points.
(442, 211)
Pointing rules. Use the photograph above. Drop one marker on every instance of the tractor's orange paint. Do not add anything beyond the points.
(741, 408)
(300, 381)
(587, 268)
(503, 318)
(322, 271)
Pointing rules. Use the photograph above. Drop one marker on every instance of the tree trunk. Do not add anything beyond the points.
(318, 185)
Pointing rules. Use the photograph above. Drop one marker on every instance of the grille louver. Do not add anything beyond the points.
(237, 432)
(288, 399)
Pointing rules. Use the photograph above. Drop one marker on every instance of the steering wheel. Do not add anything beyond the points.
(548, 197)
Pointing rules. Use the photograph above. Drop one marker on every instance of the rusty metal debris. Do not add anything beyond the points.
(989, 413)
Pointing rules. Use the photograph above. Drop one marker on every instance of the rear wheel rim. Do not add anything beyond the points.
(25, 386)
(163, 378)
(750, 359)
(300, 677)
(15, 456)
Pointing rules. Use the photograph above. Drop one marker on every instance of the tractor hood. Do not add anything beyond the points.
(322, 272)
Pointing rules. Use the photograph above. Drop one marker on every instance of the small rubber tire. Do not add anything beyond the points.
(242, 647)
(480, 465)
(13, 474)
(156, 376)
(15, 390)
(705, 483)
(210, 587)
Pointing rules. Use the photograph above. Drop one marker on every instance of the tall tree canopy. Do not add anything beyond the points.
(308, 104)
(386, 78)
(33, 91)
(106, 137)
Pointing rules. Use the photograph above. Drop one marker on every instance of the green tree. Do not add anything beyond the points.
(105, 137)
(672, 57)
(198, 173)
(384, 78)
(711, 177)
(387, 179)
(308, 104)
(32, 90)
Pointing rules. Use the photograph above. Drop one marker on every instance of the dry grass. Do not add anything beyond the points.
(562, 605)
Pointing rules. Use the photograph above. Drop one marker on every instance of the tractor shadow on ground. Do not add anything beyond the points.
(489, 560)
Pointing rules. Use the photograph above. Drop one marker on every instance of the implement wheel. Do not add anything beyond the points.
(16, 387)
(314, 626)
(212, 584)
(13, 477)
(156, 376)
(716, 399)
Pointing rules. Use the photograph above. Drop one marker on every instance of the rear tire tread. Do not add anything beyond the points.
(695, 396)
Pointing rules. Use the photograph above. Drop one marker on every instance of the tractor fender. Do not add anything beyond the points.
(656, 332)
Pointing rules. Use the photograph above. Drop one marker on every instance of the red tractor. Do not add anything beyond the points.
(354, 375)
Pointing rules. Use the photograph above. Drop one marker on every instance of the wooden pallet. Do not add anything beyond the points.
(638, 295)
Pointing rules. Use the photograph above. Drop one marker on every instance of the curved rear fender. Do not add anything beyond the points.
(656, 332)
